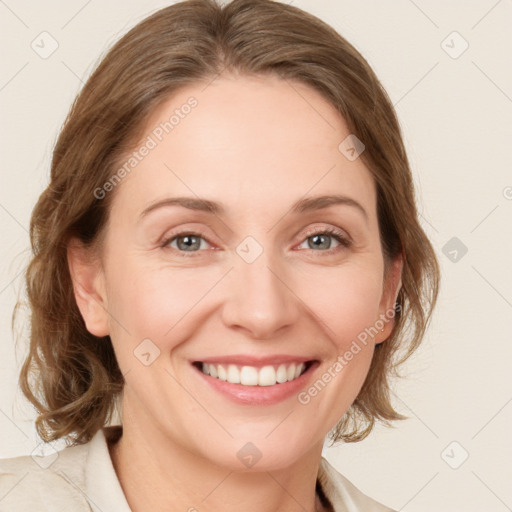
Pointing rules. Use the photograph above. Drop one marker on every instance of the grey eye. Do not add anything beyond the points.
(187, 242)
(323, 241)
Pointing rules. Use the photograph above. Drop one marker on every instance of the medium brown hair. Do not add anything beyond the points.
(71, 376)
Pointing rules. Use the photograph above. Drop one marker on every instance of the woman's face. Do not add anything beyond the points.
(268, 277)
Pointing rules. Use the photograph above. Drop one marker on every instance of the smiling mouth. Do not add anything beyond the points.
(253, 376)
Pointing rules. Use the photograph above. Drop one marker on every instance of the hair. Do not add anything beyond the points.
(71, 376)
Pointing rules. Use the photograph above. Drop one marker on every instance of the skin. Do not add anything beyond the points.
(256, 145)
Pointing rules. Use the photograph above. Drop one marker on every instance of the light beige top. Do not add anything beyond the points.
(82, 479)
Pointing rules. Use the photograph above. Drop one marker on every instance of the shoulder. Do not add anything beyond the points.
(339, 490)
(50, 483)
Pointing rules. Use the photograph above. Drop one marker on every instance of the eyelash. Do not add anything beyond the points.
(344, 242)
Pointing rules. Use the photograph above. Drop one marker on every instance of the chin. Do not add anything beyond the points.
(258, 455)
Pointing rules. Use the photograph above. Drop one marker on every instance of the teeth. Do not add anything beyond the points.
(281, 374)
(233, 374)
(291, 371)
(252, 376)
(248, 375)
(222, 373)
(267, 376)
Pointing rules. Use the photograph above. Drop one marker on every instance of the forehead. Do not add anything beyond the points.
(249, 142)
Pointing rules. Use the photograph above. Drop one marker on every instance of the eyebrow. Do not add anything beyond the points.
(301, 206)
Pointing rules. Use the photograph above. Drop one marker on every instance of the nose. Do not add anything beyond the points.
(260, 299)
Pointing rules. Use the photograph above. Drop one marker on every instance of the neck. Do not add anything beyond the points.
(156, 473)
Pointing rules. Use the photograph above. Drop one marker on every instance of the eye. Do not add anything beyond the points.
(323, 239)
(186, 242)
(319, 240)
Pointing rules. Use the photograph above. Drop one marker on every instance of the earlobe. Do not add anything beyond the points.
(89, 288)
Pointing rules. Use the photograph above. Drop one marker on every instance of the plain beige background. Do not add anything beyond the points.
(446, 66)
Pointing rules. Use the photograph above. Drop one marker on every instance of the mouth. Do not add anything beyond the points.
(261, 376)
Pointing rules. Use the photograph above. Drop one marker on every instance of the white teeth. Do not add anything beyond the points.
(252, 376)
(282, 374)
(248, 375)
(222, 374)
(267, 376)
(233, 374)
(291, 371)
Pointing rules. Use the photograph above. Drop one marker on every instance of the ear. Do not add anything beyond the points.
(392, 287)
(89, 287)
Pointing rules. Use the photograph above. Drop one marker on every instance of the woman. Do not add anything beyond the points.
(229, 254)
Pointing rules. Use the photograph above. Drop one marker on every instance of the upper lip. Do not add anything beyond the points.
(257, 361)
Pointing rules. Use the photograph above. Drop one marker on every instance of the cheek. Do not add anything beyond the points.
(346, 302)
(153, 302)
(346, 299)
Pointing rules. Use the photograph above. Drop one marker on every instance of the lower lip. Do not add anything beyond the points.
(259, 395)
